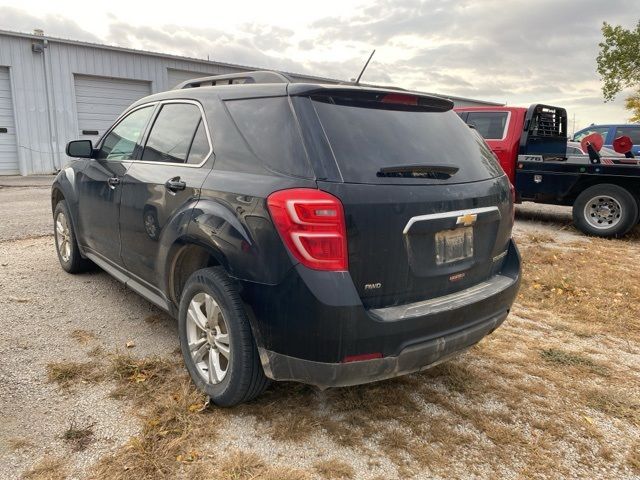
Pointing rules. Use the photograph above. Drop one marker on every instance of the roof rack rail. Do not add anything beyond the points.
(258, 76)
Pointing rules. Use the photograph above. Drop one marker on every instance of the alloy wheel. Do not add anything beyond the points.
(208, 338)
(63, 237)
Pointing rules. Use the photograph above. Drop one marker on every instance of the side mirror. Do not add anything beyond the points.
(80, 149)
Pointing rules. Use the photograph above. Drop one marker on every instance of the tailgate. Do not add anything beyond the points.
(408, 244)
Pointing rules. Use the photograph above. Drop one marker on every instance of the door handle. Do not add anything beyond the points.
(113, 182)
(174, 184)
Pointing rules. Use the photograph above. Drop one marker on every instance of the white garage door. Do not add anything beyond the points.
(101, 100)
(8, 148)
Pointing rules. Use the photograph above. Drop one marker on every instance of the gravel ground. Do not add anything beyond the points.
(25, 211)
(42, 307)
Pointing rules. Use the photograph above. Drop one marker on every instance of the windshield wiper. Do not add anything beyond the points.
(437, 172)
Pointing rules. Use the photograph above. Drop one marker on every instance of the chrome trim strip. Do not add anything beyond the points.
(441, 215)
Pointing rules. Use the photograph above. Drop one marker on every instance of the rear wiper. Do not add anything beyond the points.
(438, 172)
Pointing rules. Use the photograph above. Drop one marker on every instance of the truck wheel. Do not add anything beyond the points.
(605, 210)
(216, 339)
(66, 245)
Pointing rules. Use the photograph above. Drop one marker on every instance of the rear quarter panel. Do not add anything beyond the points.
(232, 218)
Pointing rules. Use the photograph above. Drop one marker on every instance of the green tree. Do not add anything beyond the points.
(619, 63)
(633, 103)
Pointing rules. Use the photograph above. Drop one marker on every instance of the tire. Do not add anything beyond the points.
(223, 361)
(605, 210)
(67, 249)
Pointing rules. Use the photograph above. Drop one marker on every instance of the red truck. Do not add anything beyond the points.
(531, 146)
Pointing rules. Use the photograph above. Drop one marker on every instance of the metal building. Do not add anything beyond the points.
(55, 90)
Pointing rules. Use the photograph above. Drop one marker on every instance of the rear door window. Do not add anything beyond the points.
(491, 125)
(367, 141)
(173, 135)
(200, 147)
(631, 131)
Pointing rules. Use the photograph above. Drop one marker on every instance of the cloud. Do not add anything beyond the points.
(514, 51)
(490, 48)
(55, 25)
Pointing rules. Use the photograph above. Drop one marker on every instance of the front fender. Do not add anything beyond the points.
(64, 186)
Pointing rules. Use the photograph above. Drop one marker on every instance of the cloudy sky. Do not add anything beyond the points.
(518, 52)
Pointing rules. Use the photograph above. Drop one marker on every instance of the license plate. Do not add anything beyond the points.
(454, 245)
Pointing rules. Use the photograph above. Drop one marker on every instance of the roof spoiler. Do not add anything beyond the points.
(258, 76)
(388, 98)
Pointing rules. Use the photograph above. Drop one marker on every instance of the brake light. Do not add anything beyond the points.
(400, 98)
(311, 224)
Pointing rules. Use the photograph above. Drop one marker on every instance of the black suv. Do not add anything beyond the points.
(326, 234)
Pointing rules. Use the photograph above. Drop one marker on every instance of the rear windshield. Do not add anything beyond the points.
(491, 125)
(367, 142)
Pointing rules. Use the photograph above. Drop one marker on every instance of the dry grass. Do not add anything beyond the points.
(140, 377)
(617, 403)
(48, 468)
(540, 238)
(633, 457)
(19, 443)
(564, 359)
(240, 465)
(79, 437)
(596, 283)
(83, 336)
(334, 469)
(172, 412)
(68, 373)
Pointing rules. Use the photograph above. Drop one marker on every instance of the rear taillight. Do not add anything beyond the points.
(311, 224)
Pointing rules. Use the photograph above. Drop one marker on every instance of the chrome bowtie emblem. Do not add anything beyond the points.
(467, 219)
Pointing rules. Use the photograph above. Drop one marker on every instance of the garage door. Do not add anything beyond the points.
(8, 148)
(100, 101)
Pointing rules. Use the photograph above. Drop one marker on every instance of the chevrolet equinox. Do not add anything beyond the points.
(326, 234)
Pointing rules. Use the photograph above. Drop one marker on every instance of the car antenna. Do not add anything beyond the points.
(365, 67)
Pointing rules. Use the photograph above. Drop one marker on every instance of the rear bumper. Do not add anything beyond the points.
(411, 359)
(306, 326)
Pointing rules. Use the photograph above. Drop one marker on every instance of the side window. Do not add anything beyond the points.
(173, 133)
(632, 132)
(491, 125)
(124, 140)
(199, 147)
(270, 130)
(588, 131)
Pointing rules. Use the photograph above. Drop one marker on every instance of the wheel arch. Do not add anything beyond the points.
(185, 257)
(632, 185)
